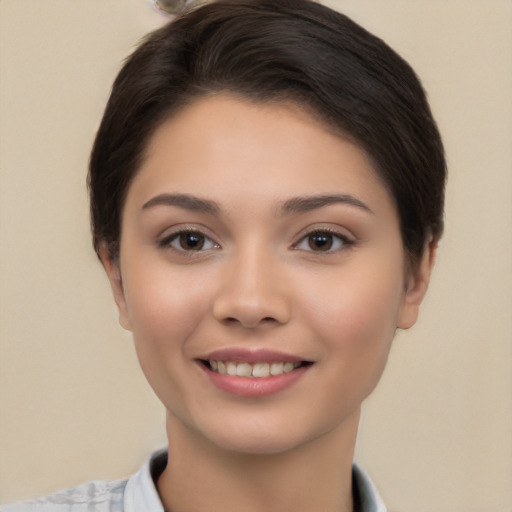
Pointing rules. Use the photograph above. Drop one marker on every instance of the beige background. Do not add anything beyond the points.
(436, 435)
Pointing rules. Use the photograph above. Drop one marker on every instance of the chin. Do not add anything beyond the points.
(264, 436)
(259, 445)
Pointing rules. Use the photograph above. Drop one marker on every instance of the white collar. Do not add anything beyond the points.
(141, 494)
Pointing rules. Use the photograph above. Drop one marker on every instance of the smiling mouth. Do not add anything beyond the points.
(256, 370)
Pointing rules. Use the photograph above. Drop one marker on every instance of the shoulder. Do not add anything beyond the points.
(133, 494)
(96, 496)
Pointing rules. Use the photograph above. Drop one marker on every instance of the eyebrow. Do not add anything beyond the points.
(308, 203)
(185, 201)
(290, 206)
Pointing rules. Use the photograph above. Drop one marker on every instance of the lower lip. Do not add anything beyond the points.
(255, 386)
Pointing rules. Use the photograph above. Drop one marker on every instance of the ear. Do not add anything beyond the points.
(116, 283)
(417, 285)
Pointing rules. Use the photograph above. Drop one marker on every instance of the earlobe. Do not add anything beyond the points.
(417, 287)
(114, 276)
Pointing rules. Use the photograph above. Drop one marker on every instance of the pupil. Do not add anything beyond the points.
(191, 241)
(320, 242)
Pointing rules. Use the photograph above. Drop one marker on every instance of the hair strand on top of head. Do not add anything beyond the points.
(295, 51)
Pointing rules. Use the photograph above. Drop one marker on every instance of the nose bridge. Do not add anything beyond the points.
(253, 291)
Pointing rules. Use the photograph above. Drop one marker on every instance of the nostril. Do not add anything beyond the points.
(250, 307)
(249, 322)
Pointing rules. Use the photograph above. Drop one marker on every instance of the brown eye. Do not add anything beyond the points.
(188, 241)
(324, 241)
(320, 241)
(191, 241)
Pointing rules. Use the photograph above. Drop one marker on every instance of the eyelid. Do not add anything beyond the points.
(164, 241)
(346, 239)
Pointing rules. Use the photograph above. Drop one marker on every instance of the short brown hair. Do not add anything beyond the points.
(275, 50)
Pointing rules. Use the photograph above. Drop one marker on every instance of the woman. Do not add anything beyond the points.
(266, 197)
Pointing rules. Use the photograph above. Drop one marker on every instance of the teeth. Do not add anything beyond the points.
(231, 368)
(288, 367)
(261, 370)
(257, 370)
(276, 368)
(243, 370)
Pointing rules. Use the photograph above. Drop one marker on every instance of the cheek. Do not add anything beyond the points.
(165, 310)
(356, 321)
(163, 302)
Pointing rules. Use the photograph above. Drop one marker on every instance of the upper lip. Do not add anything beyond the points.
(250, 356)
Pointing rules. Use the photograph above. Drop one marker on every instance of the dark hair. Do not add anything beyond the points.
(274, 51)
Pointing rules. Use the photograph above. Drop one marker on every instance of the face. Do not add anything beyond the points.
(261, 272)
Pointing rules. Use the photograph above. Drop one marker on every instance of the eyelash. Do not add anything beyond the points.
(167, 241)
(341, 241)
(330, 238)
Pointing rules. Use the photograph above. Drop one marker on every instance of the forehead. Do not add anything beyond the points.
(229, 147)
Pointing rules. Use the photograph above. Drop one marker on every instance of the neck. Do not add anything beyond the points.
(311, 477)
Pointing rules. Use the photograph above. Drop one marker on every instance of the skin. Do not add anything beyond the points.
(261, 280)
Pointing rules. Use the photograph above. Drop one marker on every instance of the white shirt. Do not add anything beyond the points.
(138, 494)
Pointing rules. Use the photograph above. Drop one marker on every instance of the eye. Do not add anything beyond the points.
(188, 240)
(323, 241)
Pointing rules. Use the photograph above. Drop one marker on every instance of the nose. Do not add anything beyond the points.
(253, 293)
